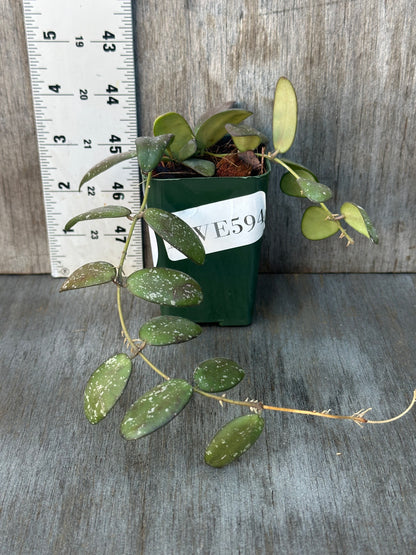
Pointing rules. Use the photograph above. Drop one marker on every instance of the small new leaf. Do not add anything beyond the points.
(285, 114)
(105, 387)
(156, 408)
(315, 192)
(234, 439)
(106, 164)
(165, 286)
(176, 232)
(316, 225)
(184, 143)
(168, 330)
(150, 150)
(245, 137)
(93, 273)
(98, 214)
(358, 219)
(217, 374)
(205, 168)
(213, 129)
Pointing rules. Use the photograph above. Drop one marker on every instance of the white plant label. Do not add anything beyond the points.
(222, 225)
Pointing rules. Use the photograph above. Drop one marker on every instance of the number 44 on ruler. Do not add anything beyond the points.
(82, 69)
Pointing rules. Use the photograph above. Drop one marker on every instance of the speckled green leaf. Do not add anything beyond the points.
(285, 114)
(98, 214)
(93, 273)
(203, 167)
(167, 330)
(245, 137)
(290, 186)
(315, 192)
(106, 164)
(176, 232)
(217, 374)
(316, 226)
(233, 440)
(213, 129)
(358, 219)
(165, 286)
(105, 387)
(184, 143)
(155, 408)
(150, 150)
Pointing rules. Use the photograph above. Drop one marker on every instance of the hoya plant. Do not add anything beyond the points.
(174, 140)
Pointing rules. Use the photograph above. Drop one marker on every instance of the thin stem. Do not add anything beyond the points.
(354, 418)
(146, 192)
(130, 341)
(126, 247)
(256, 405)
(251, 404)
(350, 240)
(276, 160)
(398, 416)
(153, 367)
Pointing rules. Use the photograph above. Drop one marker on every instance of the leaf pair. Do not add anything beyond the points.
(151, 411)
(317, 224)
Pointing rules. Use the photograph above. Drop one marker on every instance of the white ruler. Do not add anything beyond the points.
(82, 69)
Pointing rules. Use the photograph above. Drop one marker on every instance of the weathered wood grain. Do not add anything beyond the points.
(339, 342)
(351, 62)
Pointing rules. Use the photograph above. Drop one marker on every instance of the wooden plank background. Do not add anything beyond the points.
(309, 486)
(352, 64)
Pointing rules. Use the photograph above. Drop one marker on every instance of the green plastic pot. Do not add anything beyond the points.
(228, 213)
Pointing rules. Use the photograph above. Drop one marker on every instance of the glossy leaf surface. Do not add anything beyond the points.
(150, 150)
(245, 137)
(105, 386)
(217, 374)
(285, 115)
(165, 286)
(176, 124)
(213, 128)
(234, 439)
(155, 408)
(98, 214)
(106, 164)
(316, 226)
(168, 330)
(93, 273)
(176, 232)
(315, 192)
(290, 186)
(358, 219)
(203, 167)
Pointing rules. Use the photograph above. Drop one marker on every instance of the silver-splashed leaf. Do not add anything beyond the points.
(217, 374)
(98, 214)
(165, 286)
(105, 387)
(168, 330)
(106, 164)
(234, 439)
(156, 408)
(92, 273)
(176, 232)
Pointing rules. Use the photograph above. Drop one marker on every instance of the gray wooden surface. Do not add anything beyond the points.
(352, 64)
(340, 342)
